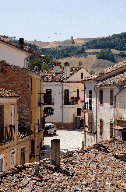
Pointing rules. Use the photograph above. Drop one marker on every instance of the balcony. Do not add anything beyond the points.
(7, 134)
(46, 102)
(87, 107)
(71, 101)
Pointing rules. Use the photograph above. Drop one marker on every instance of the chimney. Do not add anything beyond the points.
(66, 69)
(3, 63)
(80, 65)
(21, 43)
(57, 67)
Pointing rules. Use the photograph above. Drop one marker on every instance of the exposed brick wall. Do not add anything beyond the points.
(17, 79)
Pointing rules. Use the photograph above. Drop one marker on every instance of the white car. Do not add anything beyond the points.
(49, 129)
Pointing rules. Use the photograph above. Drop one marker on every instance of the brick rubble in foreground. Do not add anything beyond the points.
(96, 168)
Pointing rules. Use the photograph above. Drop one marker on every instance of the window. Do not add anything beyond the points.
(66, 97)
(12, 114)
(12, 158)
(111, 130)
(101, 96)
(77, 92)
(22, 155)
(81, 75)
(90, 99)
(111, 97)
(101, 127)
(32, 148)
(48, 111)
(48, 97)
(78, 111)
(1, 162)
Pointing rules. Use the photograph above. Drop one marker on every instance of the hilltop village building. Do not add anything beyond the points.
(14, 146)
(16, 55)
(63, 92)
(29, 86)
(104, 105)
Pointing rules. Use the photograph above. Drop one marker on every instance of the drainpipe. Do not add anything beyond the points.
(96, 115)
(40, 106)
(62, 104)
(84, 101)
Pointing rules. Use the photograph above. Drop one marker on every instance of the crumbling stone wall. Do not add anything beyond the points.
(17, 79)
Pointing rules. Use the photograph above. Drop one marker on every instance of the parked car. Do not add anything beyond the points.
(50, 129)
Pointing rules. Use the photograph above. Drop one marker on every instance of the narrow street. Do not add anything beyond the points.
(69, 140)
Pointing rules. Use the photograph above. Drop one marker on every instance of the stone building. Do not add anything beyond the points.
(63, 94)
(14, 145)
(105, 104)
(29, 86)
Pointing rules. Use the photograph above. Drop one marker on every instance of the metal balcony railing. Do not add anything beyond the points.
(86, 106)
(71, 101)
(7, 134)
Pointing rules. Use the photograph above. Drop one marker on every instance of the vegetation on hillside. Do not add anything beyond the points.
(116, 41)
(106, 54)
(63, 52)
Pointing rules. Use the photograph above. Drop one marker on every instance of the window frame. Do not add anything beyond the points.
(111, 97)
(101, 96)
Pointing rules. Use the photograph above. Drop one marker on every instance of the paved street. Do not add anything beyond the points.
(69, 140)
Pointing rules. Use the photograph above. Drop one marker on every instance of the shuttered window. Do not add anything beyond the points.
(111, 97)
(111, 130)
(101, 126)
(101, 96)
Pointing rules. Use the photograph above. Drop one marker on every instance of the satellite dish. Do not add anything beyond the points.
(35, 68)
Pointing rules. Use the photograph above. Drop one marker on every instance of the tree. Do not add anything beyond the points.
(106, 54)
(42, 63)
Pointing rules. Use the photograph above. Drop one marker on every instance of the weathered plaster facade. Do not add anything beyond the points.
(13, 55)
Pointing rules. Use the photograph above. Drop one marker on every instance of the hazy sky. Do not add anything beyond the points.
(40, 19)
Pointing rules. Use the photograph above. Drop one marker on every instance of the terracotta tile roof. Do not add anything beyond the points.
(51, 76)
(26, 49)
(106, 71)
(7, 93)
(38, 73)
(117, 80)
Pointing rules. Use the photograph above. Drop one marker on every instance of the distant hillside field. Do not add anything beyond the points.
(85, 50)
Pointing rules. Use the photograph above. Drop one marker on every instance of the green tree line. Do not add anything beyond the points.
(116, 41)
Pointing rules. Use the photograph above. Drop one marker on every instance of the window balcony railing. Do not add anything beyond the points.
(7, 134)
(71, 101)
(86, 106)
(49, 102)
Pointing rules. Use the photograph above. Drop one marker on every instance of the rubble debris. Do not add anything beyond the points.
(90, 169)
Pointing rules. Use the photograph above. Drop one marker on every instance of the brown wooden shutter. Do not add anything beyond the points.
(111, 130)
(101, 96)
(101, 126)
(111, 97)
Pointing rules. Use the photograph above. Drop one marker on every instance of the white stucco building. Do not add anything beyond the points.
(105, 104)
(63, 94)
(15, 55)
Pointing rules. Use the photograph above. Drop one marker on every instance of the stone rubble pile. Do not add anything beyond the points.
(96, 168)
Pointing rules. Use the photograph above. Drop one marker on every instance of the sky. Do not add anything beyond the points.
(58, 20)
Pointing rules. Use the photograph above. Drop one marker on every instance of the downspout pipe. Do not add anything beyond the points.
(62, 104)
(96, 115)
